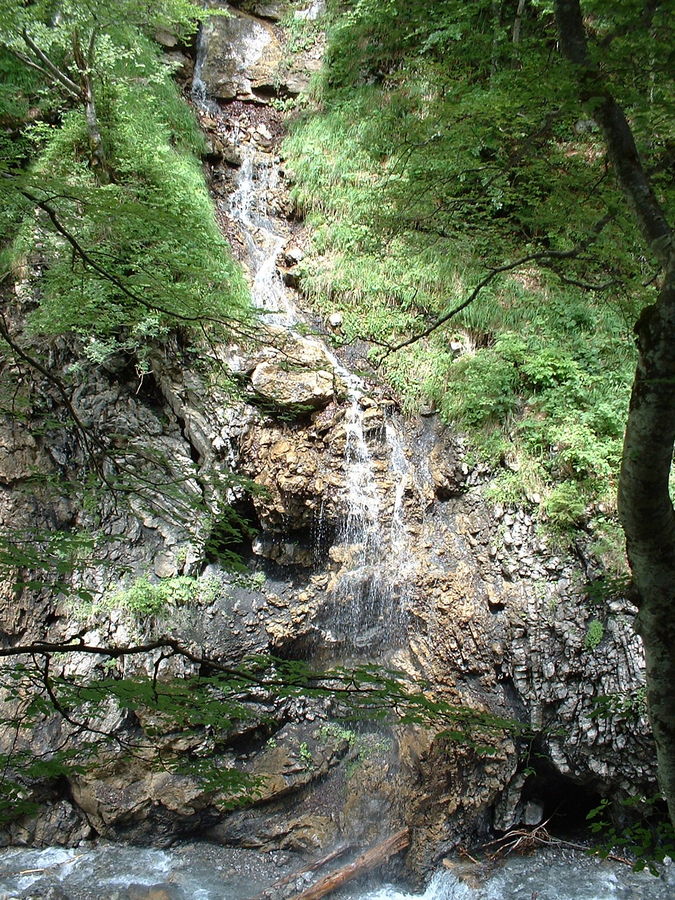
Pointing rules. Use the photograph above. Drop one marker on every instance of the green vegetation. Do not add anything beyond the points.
(630, 706)
(205, 708)
(101, 176)
(145, 598)
(648, 840)
(595, 631)
(443, 148)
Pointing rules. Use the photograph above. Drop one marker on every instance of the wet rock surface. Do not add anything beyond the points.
(371, 537)
(249, 58)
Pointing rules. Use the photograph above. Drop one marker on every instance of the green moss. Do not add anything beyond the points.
(152, 598)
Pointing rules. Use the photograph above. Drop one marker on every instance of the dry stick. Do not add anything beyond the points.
(48, 868)
(269, 893)
(518, 836)
(362, 864)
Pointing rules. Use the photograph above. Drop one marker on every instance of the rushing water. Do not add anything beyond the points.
(547, 875)
(369, 597)
(207, 872)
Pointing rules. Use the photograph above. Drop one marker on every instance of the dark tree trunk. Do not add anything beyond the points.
(84, 62)
(645, 506)
(648, 517)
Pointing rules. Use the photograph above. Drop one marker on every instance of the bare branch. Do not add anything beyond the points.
(53, 69)
(542, 256)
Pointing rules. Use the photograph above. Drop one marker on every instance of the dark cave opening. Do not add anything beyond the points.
(231, 537)
(564, 802)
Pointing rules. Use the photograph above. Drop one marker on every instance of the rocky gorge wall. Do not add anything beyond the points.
(371, 539)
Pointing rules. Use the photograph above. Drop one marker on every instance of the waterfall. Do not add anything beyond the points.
(198, 91)
(249, 208)
(375, 556)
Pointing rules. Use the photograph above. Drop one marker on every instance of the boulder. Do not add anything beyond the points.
(242, 59)
(295, 372)
(246, 60)
(274, 10)
(289, 387)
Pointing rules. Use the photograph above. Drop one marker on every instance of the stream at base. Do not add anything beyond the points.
(199, 871)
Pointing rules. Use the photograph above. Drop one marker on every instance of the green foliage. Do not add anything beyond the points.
(207, 711)
(595, 631)
(146, 598)
(629, 706)
(443, 147)
(333, 731)
(648, 837)
(305, 755)
(230, 530)
(37, 560)
(125, 259)
(564, 507)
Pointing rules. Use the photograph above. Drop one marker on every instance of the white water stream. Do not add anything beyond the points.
(206, 872)
(370, 598)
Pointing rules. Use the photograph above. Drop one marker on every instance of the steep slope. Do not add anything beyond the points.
(367, 537)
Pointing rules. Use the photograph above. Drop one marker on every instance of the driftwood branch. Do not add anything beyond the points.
(377, 855)
(271, 893)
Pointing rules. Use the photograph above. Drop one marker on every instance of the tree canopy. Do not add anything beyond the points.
(103, 148)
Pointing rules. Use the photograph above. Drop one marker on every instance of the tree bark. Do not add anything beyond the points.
(362, 864)
(82, 92)
(648, 518)
(645, 506)
(518, 21)
(99, 159)
(619, 139)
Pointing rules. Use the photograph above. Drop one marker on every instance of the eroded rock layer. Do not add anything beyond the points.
(368, 537)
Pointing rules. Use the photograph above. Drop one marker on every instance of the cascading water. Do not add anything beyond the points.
(249, 208)
(196, 872)
(198, 90)
(367, 597)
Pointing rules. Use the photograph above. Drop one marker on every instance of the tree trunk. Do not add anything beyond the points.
(84, 62)
(645, 506)
(99, 160)
(648, 518)
(362, 864)
(518, 21)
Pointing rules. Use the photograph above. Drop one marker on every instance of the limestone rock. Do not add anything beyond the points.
(295, 372)
(274, 10)
(243, 57)
(19, 454)
(246, 60)
(288, 387)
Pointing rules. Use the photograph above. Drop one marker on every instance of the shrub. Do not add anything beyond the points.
(595, 632)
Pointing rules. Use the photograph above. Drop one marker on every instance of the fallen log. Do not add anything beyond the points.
(270, 893)
(368, 860)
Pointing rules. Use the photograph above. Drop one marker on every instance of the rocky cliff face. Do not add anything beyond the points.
(371, 540)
